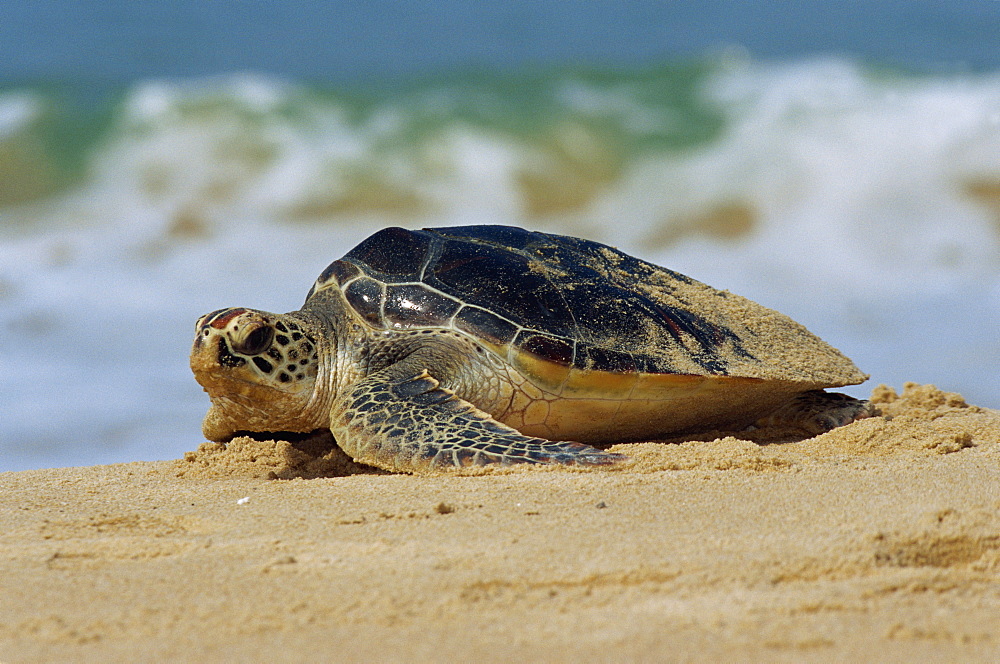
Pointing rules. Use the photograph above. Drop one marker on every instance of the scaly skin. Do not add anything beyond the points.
(817, 412)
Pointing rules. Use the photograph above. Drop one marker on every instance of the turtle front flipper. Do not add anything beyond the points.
(414, 424)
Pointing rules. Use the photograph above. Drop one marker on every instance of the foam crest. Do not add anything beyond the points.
(833, 171)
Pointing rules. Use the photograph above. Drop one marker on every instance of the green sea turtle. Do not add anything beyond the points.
(492, 344)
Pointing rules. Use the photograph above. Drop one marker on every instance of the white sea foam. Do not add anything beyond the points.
(847, 177)
(17, 111)
(865, 206)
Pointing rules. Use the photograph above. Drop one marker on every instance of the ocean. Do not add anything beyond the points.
(161, 161)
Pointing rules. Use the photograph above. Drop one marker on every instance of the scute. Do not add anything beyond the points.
(341, 271)
(393, 254)
(611, 361)
(365, 296)
(552, 349)
(484, 325)
(413, 305)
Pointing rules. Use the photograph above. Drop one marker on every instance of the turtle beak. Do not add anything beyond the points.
(208, 339)
(205, 350)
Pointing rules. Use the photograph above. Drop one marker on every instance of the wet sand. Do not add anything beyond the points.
(877, 541)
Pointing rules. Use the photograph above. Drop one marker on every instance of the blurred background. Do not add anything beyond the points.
(837, 161)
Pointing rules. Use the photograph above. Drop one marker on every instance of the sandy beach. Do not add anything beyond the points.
(876, 541)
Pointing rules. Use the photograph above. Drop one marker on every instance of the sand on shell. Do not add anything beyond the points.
(877, 541)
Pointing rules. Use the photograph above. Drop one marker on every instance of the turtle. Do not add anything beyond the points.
(473, 345)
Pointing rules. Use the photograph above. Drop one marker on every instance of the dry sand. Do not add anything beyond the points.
(877, 541)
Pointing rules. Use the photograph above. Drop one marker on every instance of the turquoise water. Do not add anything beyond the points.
(153, 169)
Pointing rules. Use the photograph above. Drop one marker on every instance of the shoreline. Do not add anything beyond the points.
(879, 537)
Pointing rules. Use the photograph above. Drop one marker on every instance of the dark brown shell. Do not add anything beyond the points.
(573, 308)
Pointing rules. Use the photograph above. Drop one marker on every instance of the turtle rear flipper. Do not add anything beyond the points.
(817, 412)
(412, 423)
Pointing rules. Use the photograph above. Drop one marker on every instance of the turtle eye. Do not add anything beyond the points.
(256, 342)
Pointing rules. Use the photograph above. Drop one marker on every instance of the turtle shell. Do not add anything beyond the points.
(561, 305)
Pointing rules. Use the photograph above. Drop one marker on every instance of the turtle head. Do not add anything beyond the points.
(258, 368)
